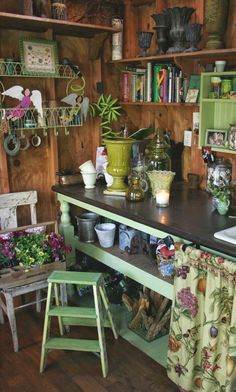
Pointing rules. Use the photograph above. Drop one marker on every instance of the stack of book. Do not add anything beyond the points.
(160, 83)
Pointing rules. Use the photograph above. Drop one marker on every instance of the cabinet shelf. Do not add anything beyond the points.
(140, 266)
(60, 27)
(17, 69)
(218, 53)
(215, 114)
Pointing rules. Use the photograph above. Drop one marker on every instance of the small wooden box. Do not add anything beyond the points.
(19, 276)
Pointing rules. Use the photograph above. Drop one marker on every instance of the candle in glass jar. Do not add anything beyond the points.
(162, 198)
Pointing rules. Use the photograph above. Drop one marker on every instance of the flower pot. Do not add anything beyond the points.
(119, 155)
(222, 207)
(106, 234)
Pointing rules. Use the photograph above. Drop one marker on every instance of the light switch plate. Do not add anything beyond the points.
(187, 138)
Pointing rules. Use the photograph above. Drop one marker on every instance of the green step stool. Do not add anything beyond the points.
(99, 316)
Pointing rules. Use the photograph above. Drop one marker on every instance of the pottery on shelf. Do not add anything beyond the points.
(179, 17)
(162, 32)
(193, 34)
(144, 42)
(216, 13)
(119, 155)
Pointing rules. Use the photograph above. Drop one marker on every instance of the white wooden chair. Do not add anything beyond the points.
(8, 220)
(8, 208)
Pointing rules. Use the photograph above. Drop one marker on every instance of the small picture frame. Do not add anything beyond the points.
(39, 56)
(192, 95)
(216, 138)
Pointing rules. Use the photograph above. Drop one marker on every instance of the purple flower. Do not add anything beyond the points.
(178, 370)
(188, 301)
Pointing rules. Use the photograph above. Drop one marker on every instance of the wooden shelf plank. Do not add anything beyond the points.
(33, 23)
(159, 104)
(175, 56)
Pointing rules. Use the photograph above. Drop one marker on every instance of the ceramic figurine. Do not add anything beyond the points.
(26, 98)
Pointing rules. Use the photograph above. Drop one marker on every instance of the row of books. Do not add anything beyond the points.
(161, 83)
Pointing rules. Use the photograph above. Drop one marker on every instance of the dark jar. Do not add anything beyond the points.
(135, 191)
(157, 154)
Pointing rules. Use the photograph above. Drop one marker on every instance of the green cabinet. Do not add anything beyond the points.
(216, 114)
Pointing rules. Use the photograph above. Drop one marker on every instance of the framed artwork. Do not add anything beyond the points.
(192, 95)
(39, 56)
(216, 137)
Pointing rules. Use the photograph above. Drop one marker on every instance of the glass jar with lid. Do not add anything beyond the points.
(219, 173)
(157, 154)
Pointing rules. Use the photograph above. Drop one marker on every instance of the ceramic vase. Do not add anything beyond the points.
(216, 13)
(119, 155)
(223, 207)
(162, 32)
(179, 17)
(144, 41)
(193, 34)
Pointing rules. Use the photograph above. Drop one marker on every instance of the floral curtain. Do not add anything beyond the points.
(202, 340)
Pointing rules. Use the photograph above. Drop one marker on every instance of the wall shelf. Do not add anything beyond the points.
(200, 54)
(158, 104)
(58, 117)
(17, 69)
(60, 27)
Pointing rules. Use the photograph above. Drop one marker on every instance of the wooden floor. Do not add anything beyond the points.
(130, 370)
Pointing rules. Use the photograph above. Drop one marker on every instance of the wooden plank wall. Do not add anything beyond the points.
(35, 168)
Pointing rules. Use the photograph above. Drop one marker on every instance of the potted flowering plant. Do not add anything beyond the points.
(27, 249)
(221, 197)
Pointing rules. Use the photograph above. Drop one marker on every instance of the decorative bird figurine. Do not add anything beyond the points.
(26, 98)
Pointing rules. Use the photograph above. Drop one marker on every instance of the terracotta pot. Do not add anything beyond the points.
(216, 13)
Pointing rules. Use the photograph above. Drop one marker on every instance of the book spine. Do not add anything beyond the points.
(149, 82)
(156, 84)
(125, 87)
(170, 85)
(133, 88)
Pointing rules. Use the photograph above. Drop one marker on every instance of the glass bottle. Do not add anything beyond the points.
(157, 154)
(135, 192)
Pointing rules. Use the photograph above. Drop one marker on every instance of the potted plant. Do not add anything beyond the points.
(31, 249)
(108, 109)
(221, 197)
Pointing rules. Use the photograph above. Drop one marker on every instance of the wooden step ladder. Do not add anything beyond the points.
(99, 316)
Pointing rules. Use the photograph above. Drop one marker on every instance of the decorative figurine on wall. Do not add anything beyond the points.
(80, 107)
(26, 98)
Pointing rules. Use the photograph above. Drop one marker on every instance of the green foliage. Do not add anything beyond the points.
(221, 193)
(108, 109)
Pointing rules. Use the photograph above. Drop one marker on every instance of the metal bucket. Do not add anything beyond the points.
(86, 222)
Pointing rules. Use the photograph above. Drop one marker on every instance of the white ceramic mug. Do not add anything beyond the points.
(87, 167)
(89, 179)
(220, 65)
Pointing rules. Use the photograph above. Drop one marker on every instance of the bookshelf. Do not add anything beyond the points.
(216, 114)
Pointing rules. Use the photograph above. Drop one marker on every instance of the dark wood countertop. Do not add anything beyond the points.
(190, 214)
